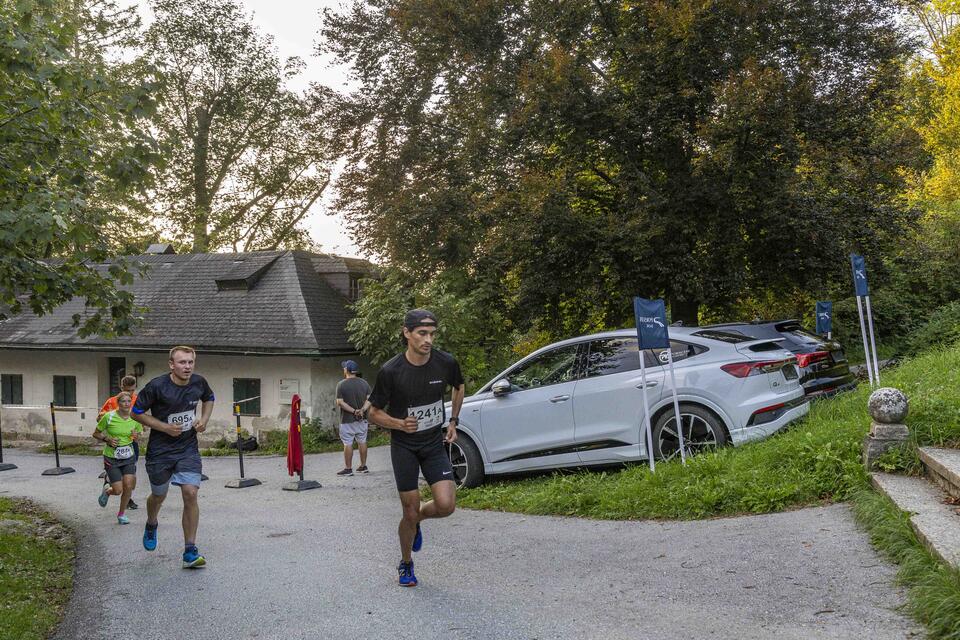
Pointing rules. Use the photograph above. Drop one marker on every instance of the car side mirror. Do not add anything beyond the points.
(501, 387)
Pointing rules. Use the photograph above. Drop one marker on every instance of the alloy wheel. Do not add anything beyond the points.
(458, 459)
(698, 435)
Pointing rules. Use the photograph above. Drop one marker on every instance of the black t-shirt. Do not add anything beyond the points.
(174, 404)
(354, 392)
(404, 389)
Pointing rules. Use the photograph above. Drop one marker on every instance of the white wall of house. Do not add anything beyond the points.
(314, 378)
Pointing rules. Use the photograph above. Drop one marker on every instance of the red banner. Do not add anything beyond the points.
(294, 443)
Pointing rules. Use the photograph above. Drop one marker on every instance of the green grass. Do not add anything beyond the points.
(277, 445)
(933, 588)
(73, 449)
(36, 571)
(815, 461)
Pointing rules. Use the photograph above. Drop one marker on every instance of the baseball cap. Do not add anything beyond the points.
(419, 318)
(350, 366)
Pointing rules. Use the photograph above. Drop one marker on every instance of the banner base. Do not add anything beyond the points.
(242, 483)
(301, 485)
(6, 466)
(58, 471)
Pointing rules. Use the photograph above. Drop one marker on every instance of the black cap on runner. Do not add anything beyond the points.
(419, 318)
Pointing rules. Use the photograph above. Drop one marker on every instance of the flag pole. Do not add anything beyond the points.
(646, 407)
(873, 341)
(866, 347)
(676, 403)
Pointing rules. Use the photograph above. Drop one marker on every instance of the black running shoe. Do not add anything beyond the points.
(345, 472)
(131, 505)
(363, 469)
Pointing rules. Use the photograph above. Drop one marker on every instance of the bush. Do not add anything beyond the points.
(316, 437)
(942, 329)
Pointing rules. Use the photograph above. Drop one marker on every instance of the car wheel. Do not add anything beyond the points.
(466, 461)
(701, 431)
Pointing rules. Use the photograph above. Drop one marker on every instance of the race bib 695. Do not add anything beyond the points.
(184, 420)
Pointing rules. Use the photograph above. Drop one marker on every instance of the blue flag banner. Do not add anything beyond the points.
(651, 318)
(859, 274)
(824, 317)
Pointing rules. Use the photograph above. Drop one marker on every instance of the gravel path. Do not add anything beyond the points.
(322, 564)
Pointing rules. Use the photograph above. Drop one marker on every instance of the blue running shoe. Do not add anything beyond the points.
(418, 539)
(407, 579)
(192, 559)
(104, 496)
(149, 538)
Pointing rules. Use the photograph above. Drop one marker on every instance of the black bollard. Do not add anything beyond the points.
(241, 482)
(4, 466)
(57, 470)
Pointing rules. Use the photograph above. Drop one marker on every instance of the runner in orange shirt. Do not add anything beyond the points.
(128, 384)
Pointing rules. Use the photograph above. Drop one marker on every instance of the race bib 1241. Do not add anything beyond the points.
(427, 415)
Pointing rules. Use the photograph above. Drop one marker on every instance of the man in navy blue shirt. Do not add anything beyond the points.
(180, 404)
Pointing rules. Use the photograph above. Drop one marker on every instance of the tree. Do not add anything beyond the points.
(482, 339)
(71, 142)
(245, 157)
(574, 154)
(938, 80)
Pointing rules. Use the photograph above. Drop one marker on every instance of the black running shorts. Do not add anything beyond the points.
(116, 469)
(409, 461)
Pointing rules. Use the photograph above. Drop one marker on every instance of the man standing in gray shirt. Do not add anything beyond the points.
(352, 394)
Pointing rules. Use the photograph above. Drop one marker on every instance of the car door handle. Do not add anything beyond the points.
(559, 398)
(652, 383)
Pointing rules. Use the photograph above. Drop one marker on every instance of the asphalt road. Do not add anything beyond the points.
(322, 564)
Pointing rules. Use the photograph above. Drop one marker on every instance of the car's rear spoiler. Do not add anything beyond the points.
(756, 346)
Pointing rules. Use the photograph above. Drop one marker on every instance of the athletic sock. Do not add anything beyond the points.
(152, 527)
(119, 513)
(189, 547)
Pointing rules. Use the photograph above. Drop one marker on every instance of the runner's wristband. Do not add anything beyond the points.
(455, 419)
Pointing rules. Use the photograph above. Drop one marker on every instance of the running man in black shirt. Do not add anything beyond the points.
(180, 404)
(408, 398)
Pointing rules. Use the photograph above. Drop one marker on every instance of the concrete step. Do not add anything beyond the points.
(943, 467)
(936, 523)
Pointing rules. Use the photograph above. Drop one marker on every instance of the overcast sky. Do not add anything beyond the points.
(295, 26)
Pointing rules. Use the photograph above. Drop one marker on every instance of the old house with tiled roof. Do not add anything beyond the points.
(265, 325)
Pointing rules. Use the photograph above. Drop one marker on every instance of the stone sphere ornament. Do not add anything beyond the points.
(888, 406)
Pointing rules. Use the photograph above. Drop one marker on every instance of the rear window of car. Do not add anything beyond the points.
(728, 336)
(801, 337)
(792, 333)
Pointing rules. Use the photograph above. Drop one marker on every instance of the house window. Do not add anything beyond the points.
(247, 390)
(355, 289)
(65, 391)
(12, 392)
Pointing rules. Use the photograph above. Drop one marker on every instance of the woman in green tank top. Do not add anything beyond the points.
(119, 431)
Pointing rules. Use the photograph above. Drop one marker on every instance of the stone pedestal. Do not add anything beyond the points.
(888, 407)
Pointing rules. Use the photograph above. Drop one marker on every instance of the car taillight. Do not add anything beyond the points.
(807, 359)
(745, 369)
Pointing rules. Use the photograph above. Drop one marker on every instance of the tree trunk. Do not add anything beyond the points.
(201, 174)
(685, 311)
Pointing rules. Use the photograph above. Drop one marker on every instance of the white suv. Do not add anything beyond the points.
(577, 402)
